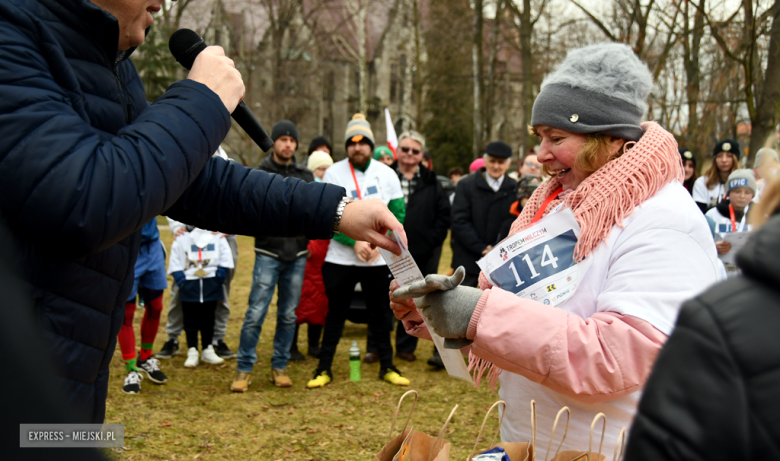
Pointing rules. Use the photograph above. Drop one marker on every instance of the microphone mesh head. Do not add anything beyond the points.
(184, 46)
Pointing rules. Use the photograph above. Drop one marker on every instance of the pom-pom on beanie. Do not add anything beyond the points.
(726, 145)
(741, 178)
(597, 89)
(358, 129)
(317, 159)
(284, 128)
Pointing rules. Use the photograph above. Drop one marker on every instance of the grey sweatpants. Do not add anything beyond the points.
(175, 324)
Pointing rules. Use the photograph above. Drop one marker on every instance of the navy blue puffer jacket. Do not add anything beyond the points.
(85, 162)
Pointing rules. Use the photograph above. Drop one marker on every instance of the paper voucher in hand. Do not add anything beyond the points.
(737, 241)
(405, 271)
(538, 262)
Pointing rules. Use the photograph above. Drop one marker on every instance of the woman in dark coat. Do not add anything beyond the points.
(714, 393)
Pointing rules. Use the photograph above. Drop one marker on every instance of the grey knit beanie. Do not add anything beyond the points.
(358, 129)
(741, 178)
(597, 89)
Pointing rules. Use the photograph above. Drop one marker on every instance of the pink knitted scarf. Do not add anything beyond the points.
(604, 199)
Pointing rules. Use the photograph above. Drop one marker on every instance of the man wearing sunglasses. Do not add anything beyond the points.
(427, 218)
(481, 205)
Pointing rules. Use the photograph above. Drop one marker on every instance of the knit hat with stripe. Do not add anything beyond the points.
(359, 129)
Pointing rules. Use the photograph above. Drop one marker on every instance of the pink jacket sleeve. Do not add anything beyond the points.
(604, 357)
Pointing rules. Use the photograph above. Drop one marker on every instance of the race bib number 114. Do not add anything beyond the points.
(538, 262)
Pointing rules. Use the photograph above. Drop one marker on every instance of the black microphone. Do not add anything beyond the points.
(185, 45)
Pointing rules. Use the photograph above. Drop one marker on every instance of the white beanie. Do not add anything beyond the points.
(317, 159)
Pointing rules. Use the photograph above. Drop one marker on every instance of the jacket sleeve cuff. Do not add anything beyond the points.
(471, 333)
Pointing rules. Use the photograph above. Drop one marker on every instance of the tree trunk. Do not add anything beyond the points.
(490, 98)
(362, 64)
(526, 54)
(693, 76)
(768, 109)
(478, 71)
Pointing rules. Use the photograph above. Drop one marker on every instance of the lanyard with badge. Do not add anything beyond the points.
(538, 262)
(354, 178)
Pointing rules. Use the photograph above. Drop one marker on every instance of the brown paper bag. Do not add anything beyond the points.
(577, 455)
(517, 451)
(419, 446)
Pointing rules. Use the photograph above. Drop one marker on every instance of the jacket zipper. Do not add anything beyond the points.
(125, 103)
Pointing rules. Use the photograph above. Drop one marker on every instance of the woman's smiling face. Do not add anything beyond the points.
(558, 150)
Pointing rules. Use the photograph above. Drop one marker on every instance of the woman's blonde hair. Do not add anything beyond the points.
(713, 175)
(594, 154)
(770, 195)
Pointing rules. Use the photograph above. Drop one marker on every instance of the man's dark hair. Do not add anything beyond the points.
(457, 170)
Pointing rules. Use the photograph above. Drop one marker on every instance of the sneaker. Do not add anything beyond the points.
(223, 350)
(209, 356)
(132, 383)
(296, 356)
(192, 358)
(152, 369)
(393, 376)
(242, 382)
(170, 348)
(321, 378)
(280, 378)
(371, 357)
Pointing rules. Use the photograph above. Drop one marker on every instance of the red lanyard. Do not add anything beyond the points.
(540, 212)
(200, 257)
(733, 219)
(354, 178)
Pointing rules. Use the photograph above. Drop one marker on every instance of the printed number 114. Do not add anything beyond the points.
(547, 259)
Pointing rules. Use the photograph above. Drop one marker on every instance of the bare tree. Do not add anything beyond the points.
(743, 47)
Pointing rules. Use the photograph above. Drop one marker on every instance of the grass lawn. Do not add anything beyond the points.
(195, 416)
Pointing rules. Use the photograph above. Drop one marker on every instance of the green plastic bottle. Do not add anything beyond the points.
(354, 362)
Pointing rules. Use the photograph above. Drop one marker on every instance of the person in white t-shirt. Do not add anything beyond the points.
(731, 214)
(349, 262)
(710, 188)
(643, 249)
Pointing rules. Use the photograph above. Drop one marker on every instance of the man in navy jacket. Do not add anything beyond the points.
(85, 162)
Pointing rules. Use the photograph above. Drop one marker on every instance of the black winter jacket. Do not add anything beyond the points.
(85, 162)
(283, 248)
(477, 216)
(714, 393)
(427, 216)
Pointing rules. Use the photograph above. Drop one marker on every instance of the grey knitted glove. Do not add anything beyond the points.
(433, 282)
(449, 312)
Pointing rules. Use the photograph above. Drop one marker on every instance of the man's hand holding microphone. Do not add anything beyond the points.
(365, 220)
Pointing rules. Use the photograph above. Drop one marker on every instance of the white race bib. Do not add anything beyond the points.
(538, 262)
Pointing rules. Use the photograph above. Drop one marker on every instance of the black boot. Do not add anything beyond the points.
(314, 333)
(295, 354)
(435, 361)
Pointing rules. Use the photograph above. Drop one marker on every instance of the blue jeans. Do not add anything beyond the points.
(268, 271)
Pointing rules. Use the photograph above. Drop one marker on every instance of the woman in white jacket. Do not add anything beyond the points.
(642, 249)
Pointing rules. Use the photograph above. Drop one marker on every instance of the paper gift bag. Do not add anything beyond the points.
(589, 455)
(412, 445)
(516, 451)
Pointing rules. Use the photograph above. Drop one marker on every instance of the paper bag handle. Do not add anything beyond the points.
(603, 431)
(552, 435)
(533, 423)
(621, 444)
(484, 421)
(441, 433)
(395, 415)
